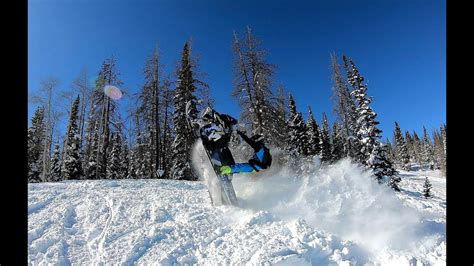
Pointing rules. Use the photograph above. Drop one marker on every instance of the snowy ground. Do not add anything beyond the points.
(334, 216)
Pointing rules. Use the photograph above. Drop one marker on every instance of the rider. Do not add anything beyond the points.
(215, 130)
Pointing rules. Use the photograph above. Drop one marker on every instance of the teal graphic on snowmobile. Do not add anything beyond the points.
(215, 131)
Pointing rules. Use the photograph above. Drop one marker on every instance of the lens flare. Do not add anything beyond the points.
(113, 92)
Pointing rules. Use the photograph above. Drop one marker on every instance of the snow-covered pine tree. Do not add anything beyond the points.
(253, 89)
(56, 174)
(132, 164)
(114, 165)
(149, 111)
(427, 188)
(314, 147)
(146, 162)
(282, 112)
(337, 147)
(88, 141)
(373, 153)
(104, 111)
(401, 149)
(382, 167)
(36, 135)
(72, 168)
(297, 140)
(443, 135)
(345, 108)
(184, 138)
(439, 151)
(325, 140)
(92, 169)
(368, 134)
(443, 138)
(142, 157)
(125, 160)
(409, 143)
(167, 129)
(417, 149)
(390, 151)
(427, 148)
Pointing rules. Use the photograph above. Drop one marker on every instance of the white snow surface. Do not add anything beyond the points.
(337, 215)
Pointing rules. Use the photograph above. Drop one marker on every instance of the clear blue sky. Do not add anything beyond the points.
(398, 46)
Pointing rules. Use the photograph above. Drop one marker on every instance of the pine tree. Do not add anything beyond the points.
(367, 132)
(325, 141)
(298, 140)
(373, 152)
(345, 108)
(184, 138)
(124, 158)
(313, 135)
(427, 148)
(72, 161)
(253, 89)
(382, 167)
(114, 166)
(417, 149)
(142, 157)
(427, 188)
(132, 165)
(443, 138)
(90, 132)
(56, 174)
(167, 128)
(390, 151)
(36, 138)
(410, 146)
(401, 150)
(149, 110)
(105, 113)
(337, 147)
(92, 171)
(282, 112)
(443, 134)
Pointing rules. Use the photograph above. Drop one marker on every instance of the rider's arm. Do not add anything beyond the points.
(252, 143)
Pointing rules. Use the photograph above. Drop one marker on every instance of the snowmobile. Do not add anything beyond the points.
(215, 130)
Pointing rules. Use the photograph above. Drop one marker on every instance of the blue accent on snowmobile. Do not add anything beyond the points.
(260, 155)
(244, 168)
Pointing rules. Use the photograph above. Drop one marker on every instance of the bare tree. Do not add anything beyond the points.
(253, 88)
(82, 87)
(47, 96)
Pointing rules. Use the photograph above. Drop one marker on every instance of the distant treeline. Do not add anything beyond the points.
(157, 143)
